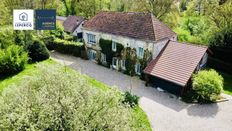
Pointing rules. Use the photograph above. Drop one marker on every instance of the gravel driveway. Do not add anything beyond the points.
(165, 111)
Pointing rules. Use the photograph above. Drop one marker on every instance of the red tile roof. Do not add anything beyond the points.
(176, 62)
(134, 25)
(72, 22)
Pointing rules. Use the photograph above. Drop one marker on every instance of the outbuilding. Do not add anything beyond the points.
(172, 70)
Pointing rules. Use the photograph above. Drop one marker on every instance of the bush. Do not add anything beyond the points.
(37, 51)
(68, 47)
(56, 100)
(12, 60)
(130, 99)
(208, 85)
(6, 37)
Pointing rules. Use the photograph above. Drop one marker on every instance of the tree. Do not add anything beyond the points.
(56, 100)
(220, 44)
(4, 15)
(130, 56)
(86, 8)
(208, 85)
(160, 7)
(221, 14)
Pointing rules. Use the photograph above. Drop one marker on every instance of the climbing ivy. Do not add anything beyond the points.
(106, 48)
(144, 61)
(130, 56)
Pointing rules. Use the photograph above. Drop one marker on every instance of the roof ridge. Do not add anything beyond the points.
(186, 43)
(160, 23)
(153, 25)
(129, 12)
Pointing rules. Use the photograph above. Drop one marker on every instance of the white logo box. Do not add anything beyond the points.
(23, 19)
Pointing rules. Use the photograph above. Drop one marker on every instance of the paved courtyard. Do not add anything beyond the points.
(165, 111)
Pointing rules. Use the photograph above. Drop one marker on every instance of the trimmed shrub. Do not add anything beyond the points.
(12, 60)
(68, 47)
(37, 51)
(208, 85)
(130, 99)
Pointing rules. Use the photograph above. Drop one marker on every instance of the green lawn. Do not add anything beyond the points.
(227, 83)
(140, 119)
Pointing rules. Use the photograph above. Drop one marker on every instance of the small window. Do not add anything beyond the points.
(140, 52)
(114, 46)
(138, 69)
(91, 39)
(123, 64)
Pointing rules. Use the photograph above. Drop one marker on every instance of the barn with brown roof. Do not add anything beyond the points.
(173, 68)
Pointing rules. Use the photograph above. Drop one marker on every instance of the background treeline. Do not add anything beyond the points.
(205, 22)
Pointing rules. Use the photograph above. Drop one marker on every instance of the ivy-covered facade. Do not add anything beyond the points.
(123, 54)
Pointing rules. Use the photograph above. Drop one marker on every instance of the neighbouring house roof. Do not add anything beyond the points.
(177, 62)
(134, 25)
(72, 22)
(61, 18)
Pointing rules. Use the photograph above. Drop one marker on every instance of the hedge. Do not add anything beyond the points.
(66, 47)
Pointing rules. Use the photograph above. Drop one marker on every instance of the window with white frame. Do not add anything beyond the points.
(91, 38)
(103, 58)
(138, 69)
(114, 46)
(140, 52)
(123, 64)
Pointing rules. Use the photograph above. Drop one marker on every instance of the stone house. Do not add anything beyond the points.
(139, 31)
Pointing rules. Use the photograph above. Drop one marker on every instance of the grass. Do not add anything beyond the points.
(30, 70)
(227, 83)
(140, 119)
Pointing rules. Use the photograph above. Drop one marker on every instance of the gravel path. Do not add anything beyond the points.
(165, 111)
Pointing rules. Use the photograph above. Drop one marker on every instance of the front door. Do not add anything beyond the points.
(115, 63)
(92, 54)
